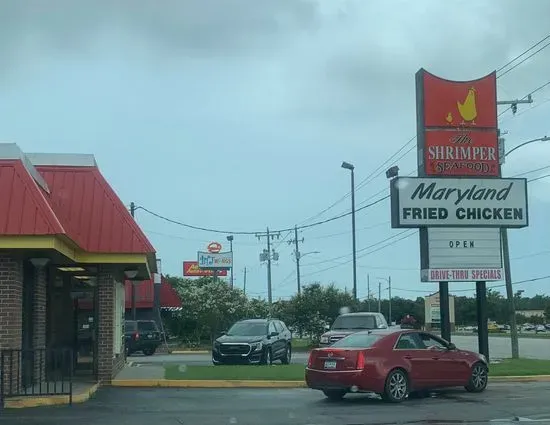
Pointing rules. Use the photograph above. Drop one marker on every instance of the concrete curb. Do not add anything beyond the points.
(533, 378)
(55, 400)
(190, 352)
(215, 383)
(181, 383)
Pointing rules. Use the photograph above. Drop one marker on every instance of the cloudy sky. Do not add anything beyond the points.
(236, 114)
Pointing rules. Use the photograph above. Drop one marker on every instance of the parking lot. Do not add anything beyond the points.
(116, 406)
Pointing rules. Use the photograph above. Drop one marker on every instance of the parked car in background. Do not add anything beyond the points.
(394, 363)
(254, 341)
(540, 328)
(349, 323)
(141, 335)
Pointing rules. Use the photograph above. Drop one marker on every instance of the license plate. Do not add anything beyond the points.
(330, 364)
(149, 336)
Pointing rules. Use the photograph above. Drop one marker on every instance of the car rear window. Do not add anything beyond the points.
(147, 326)
(355, 322)
(357, 341)
(130, 326)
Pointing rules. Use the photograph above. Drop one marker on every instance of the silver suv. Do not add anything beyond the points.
(349, 323)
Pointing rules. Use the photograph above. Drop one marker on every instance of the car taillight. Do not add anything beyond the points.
(360, 361)
(311, 359)
(136, 335)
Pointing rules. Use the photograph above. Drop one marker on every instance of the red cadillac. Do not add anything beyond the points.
(394, 363)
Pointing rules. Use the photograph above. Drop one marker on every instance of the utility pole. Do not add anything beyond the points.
(297, 255)
(379, 297)
(268, 255)
(230, 239)
(244, 285)
(514, 340)
(134, 310)
(368, 292)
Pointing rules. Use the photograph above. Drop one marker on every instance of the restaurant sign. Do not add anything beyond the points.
(191, 269)
(458, 202)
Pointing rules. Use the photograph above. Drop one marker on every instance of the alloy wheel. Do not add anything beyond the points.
(479, 376)
(398, 386)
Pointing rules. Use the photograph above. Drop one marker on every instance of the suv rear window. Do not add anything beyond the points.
(357, 341)
(147, 326)
(130, 326)
(355, 322)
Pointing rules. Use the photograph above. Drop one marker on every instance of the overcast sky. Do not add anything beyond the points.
(236, 115)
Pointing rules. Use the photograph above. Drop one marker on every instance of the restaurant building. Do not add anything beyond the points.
(64, 235)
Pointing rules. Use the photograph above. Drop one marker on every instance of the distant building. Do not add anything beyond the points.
(432, 318)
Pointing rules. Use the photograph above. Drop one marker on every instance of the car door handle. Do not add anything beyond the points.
(407, 357)
(435, 358)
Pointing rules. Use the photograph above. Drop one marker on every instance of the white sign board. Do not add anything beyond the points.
(458, 202)
(215, 260)
(463, 254)
(432, 309)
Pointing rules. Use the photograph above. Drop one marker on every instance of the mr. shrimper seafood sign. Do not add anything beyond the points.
(458, 202)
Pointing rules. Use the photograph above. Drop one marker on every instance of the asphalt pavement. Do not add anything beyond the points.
(499, 347)
(500, 404)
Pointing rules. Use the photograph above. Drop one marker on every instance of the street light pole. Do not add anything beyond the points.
(350, 167)
(230, 239)
(514, 339)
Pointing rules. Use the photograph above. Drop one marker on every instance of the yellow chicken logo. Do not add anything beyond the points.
(466, 109)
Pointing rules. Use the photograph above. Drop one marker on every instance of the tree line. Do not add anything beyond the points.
(211, 306)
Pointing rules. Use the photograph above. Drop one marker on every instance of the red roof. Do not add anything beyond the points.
(92, 214)
(24, 209)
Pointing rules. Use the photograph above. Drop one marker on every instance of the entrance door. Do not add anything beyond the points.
(27, 354)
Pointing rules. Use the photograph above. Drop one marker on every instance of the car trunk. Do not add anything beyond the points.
(147, 333)
(336, 359)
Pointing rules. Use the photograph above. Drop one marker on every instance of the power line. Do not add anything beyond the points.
(535, 279)
(332, 260)
(528, 57)
(526, 96)
(365, 254)
(288, 229)
(367, 179)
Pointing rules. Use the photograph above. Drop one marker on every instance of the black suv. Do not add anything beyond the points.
(254, 341)
(141, 335)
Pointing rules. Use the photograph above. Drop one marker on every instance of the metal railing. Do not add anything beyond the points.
(34, 373)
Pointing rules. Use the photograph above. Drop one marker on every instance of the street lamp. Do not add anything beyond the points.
(298, 257)
(350, 167)
(514, 340)
(230, 239)
(540, 139)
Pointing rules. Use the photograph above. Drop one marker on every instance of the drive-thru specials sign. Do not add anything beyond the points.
(462, 254)
(458, 202)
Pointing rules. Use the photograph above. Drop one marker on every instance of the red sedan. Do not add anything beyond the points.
(394, 364)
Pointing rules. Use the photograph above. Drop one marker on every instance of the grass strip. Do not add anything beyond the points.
(295, 372)
(520, 367)
(292, 372)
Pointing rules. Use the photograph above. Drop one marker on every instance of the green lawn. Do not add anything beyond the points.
(520, 367)
(295, 372)
(292, 372)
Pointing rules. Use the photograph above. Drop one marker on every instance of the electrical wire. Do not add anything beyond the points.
(526, 96)
(535, 279)
(362, 255)
(528, 57)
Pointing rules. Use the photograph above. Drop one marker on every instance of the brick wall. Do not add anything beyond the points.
(108, 364)
(39, 321)
(11, 294)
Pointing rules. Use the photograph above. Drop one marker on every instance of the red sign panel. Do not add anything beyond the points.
(461, 153)
(214, 247)
(470, 104)
(191, 269)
